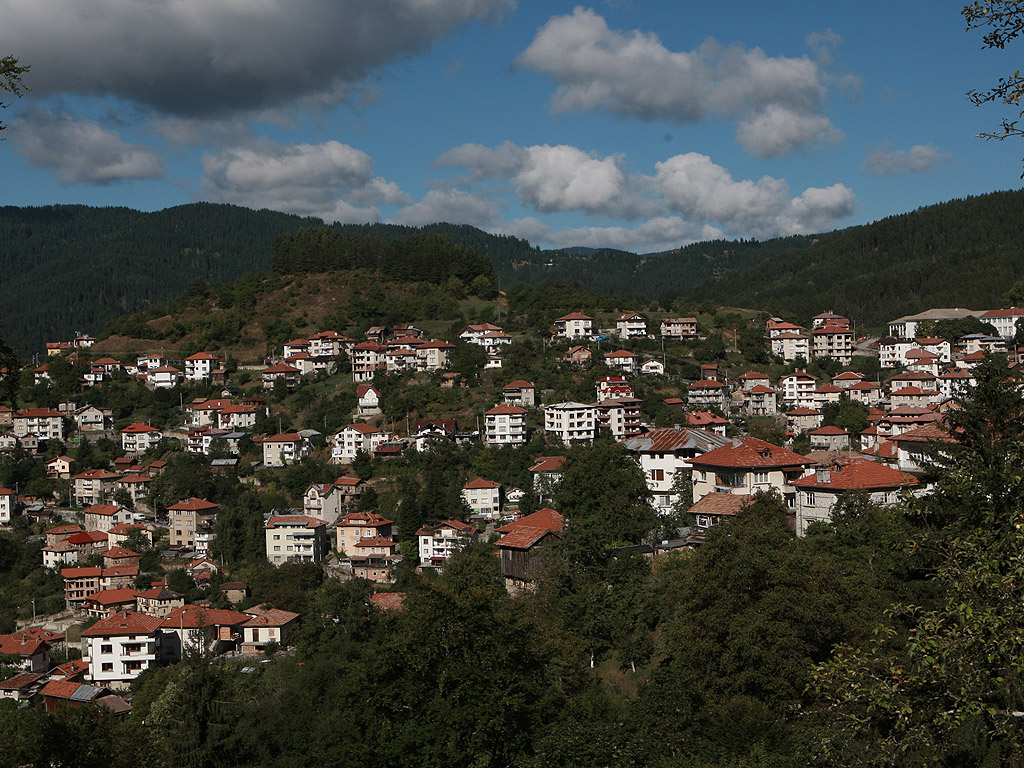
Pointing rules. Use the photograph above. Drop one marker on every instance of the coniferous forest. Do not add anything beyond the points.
(71, 268)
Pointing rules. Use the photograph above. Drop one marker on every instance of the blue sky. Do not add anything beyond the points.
(628, 124)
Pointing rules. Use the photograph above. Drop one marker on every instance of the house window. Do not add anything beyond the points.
(809, 496)
(760, 477)
(107, 667)
(106, 649)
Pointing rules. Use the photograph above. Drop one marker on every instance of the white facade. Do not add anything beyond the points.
(571, 422)
(505, 425)
(295, 537)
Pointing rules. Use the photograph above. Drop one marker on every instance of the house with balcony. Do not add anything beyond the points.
(44, 423)
(163, 377)
(138, 438)
(122, 646)
(631, 326)
(199, 366)
(622, 359)
(188, 519)
(664, 454)
(521, 393)
(356, 526)
(270, 627)
(621, 417)
(439, 542)
(747, 466)
(818, 492)
(505, 425)
(286, 448)
(289, 374)
(103, 517)
(484, 497)
(575, 325)
(323, 501)
(298, 538)
(368, 399)
(349, 440)
(791, 346)
(571, 422)
(679, 328)
(707, 393)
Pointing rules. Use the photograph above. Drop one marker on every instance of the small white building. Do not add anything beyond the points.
(286, 448)
(631, 326)
(575, 325)
(439, 542)
(122, 646)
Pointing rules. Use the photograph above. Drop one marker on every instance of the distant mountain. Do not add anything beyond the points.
(68, 268)
(73, 267)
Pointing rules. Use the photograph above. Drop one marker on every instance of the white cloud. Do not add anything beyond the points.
(450, 205)
(329, 180)
(776, 131)
(635, 75)
(703, 191)
(202, 57)
(659, 234)
(80, 150)
(900, 162)
(556, 178)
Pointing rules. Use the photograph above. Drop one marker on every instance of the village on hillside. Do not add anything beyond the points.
(141, 525)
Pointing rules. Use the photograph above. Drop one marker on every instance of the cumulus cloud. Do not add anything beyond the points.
(204, 57)
(900, 162)
(776, 131)
(635, 75)
(658, 234)
(450, 205)
(703, 191)
(79, 150)
(556, 178)
(329, 180)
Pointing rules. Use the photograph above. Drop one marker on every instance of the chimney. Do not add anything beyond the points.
(823, 475)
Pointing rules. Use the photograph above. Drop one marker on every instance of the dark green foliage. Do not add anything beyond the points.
(71, 267)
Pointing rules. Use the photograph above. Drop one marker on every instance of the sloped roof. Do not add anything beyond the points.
(857, 474)
(751, 453)
(124, 623)
(670, 439)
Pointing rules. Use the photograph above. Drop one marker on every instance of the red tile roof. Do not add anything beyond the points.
(124, 623)
(856, 474)
(728, 504)
(750, 453)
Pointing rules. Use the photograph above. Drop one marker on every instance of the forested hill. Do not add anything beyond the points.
(964, 253)
(73, 267)
(67, 268)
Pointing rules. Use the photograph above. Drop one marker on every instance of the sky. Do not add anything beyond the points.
(621, 123)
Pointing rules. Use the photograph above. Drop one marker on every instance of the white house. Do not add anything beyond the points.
(199, 366)
(439, 542)
(295, 537)
(483, 497)
(679, 327)
(505, 425)
(139, 438)
(631, 326)
(666, 452)
(7, 497)
(349, 440)
(571, 422)
(285, 448)
(122, 646)
(369, 400)
(575, 325)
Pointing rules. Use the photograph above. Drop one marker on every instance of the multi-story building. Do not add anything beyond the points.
(295, 537)
(835, 341)
(122, 646)
(483, 497)
(505, 425)
(94, 486)
(620, 416)
(139, 438)
(199, 366)
(747, 466)
(708, 394)
(286, 448)
(356, 526)
(44, 423)
(665, 453)
(571, 422)
(349, 440)
(188, 519)
(575, 325)
(631, 326)
(439, 542)
(679, 327)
